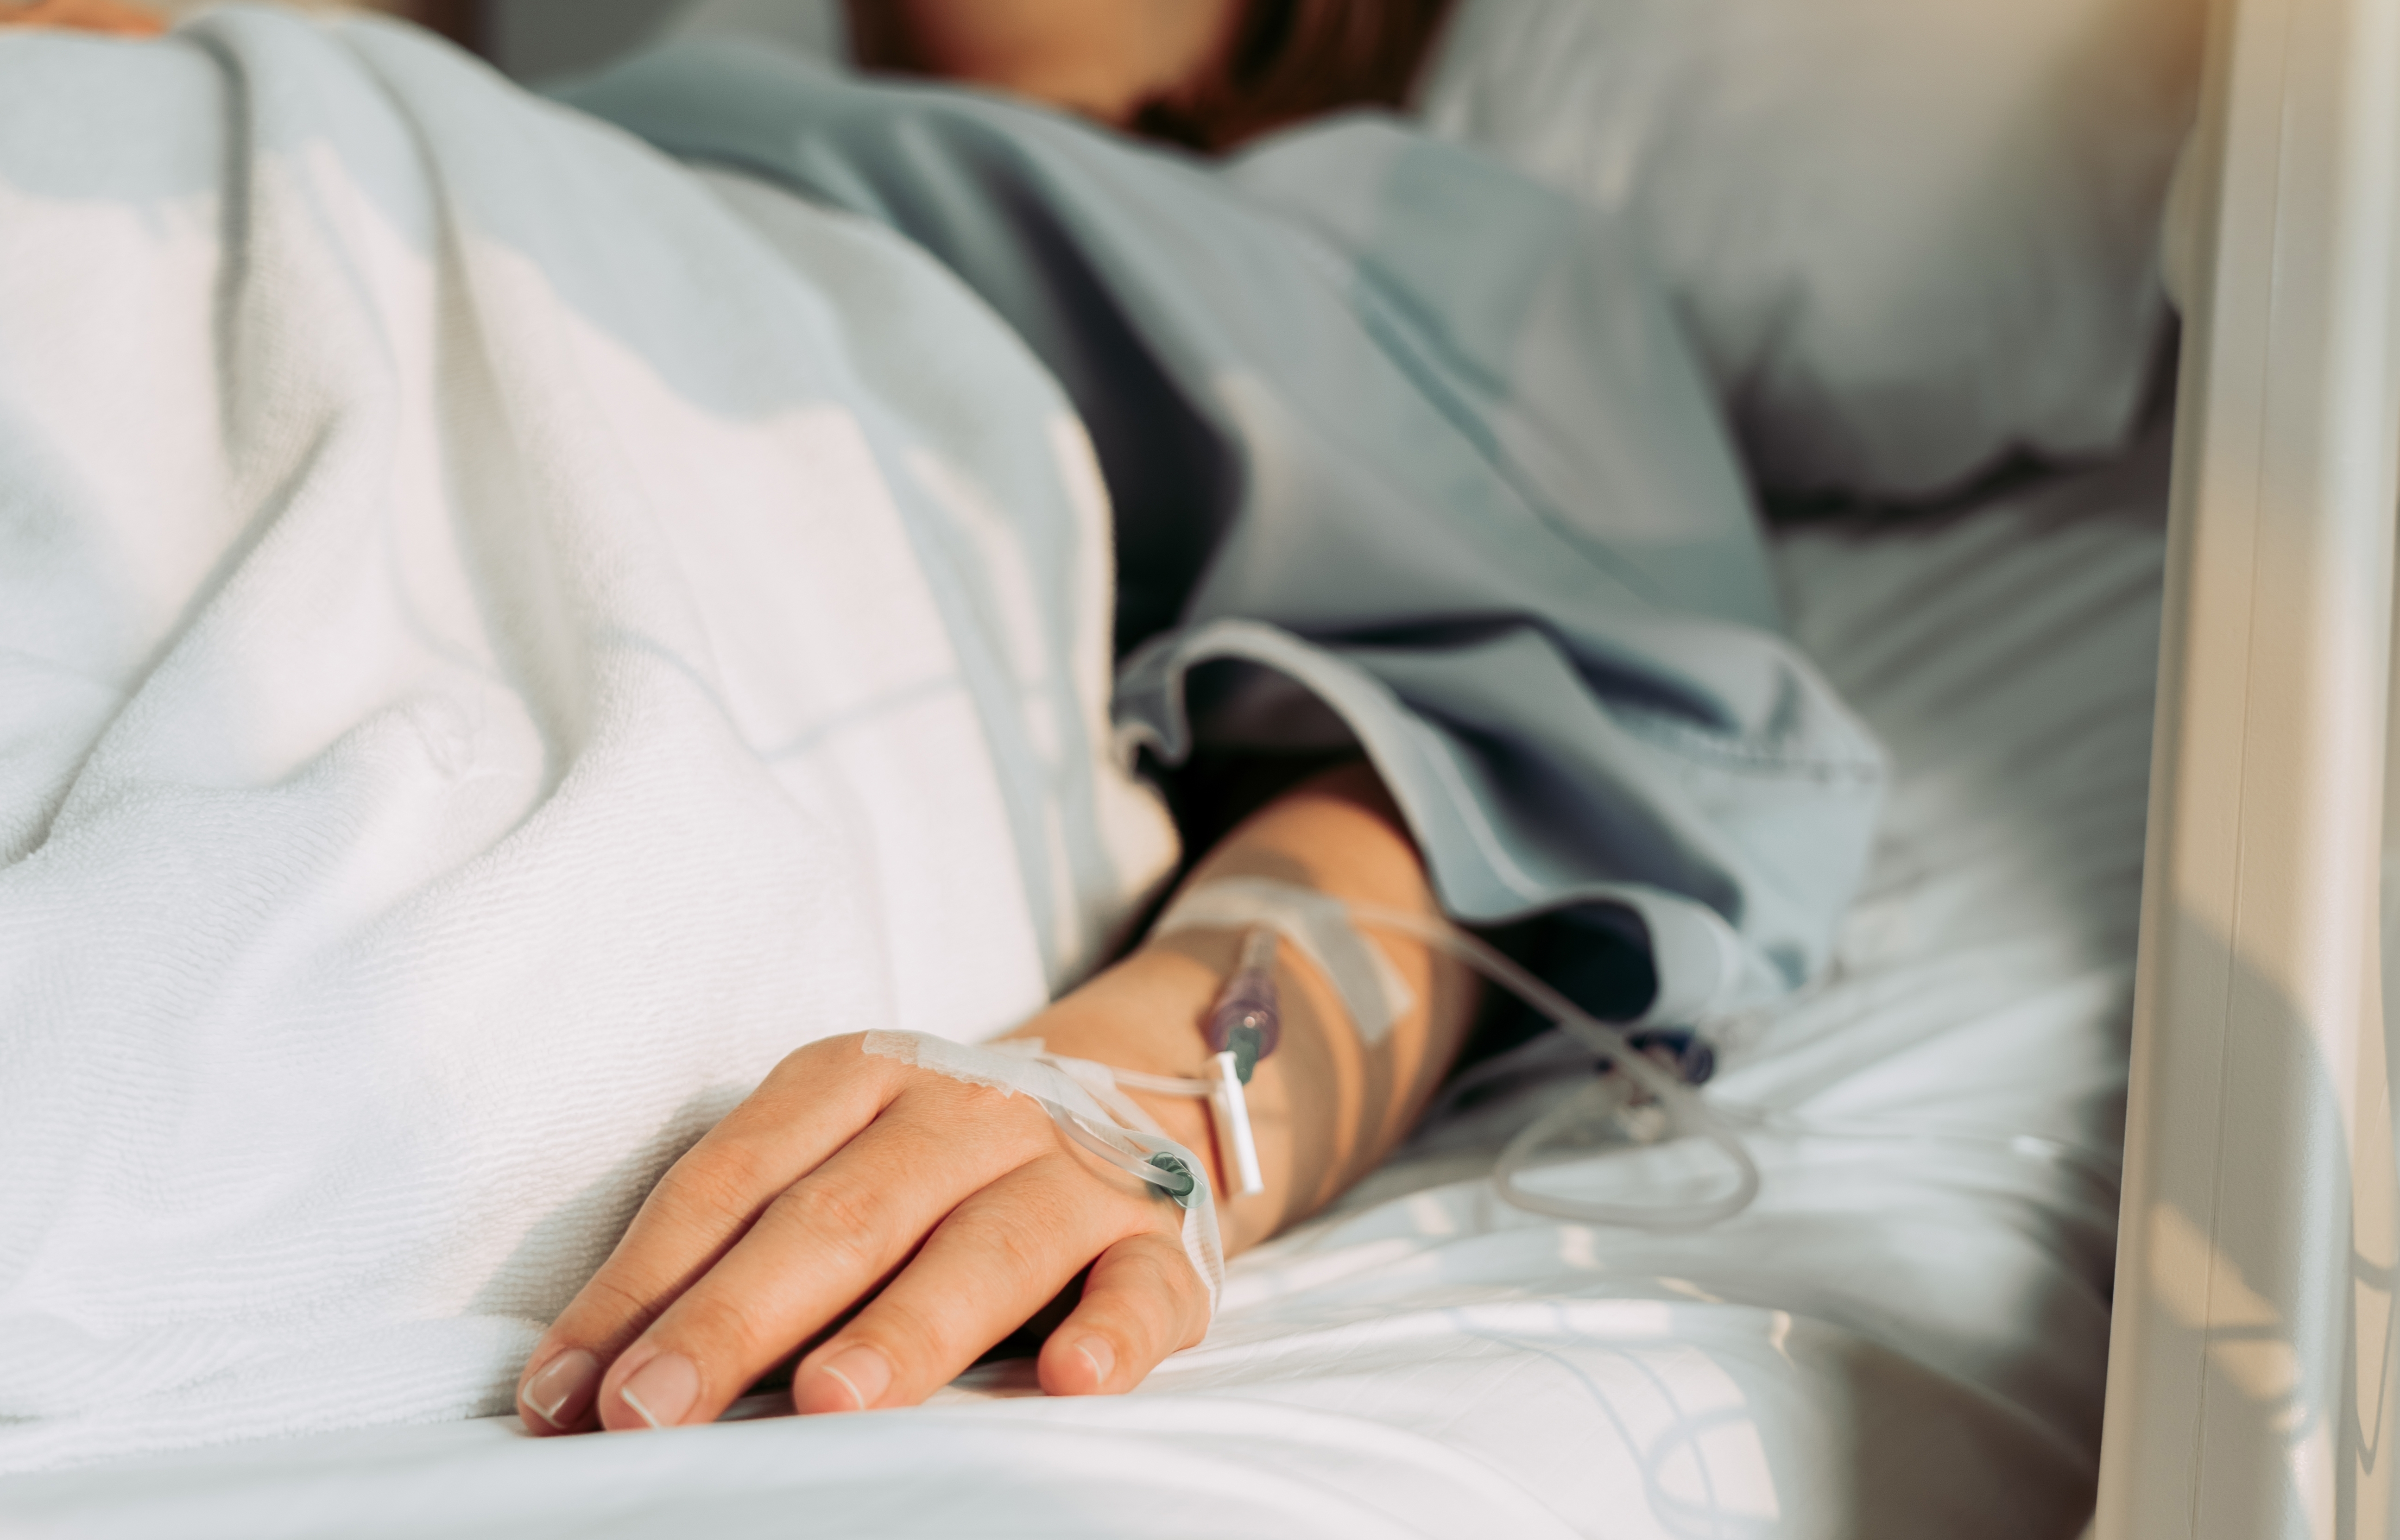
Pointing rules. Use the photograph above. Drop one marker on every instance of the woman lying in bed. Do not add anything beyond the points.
(1541, 739)
(954, 1214)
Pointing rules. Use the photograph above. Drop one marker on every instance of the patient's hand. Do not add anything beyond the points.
(963, 1212)
(847, 1171)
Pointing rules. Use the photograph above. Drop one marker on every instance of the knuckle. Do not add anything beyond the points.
(1025, 1245)
(814, 1068)
(1018, 1121)
(723, 1326)
(989, 1102)
(810, 1058)
(916, 1341)
(1071, 1197)
(1191, 1298)
(1155, 1272)
(992, 1132)
(607, 1297)
(844, 1219)
(1146, 1276)
(794, 1066)
(723, 1180)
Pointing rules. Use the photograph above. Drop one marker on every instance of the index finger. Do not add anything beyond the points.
(810, 1106)
(818, 1249)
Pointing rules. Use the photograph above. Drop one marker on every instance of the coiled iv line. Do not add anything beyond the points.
(1264, 908)
(1654, 1105)
(1682, 1112)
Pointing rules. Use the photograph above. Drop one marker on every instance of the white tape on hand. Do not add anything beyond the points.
(1105, 1121)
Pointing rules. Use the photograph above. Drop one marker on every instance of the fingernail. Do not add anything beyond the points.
(1101, 1356)
(861, 1371)
(561, 1392)
(662, 1390)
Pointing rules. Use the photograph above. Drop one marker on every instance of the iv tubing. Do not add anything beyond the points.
(1686, 1113)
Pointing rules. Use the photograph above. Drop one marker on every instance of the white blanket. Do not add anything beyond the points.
(1906, 1339)
(493, 653)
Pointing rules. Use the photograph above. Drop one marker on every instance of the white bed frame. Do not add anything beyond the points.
(2252, 1375)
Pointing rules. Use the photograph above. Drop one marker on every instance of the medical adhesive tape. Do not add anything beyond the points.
(1328, 930)
(1110, 1124)
(1318, 927)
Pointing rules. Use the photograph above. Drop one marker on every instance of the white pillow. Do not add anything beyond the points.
(1911, 236)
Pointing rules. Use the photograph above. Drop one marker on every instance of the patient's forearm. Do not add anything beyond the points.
(1326, 1106)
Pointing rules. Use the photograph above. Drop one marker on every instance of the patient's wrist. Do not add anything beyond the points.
(1146, 1014)
(1143, 1014)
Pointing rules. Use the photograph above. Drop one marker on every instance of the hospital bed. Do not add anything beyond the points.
(1906, 1332)
(2252, 1357)
(1906, 1335)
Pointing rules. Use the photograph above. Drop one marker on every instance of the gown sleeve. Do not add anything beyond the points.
(1406, 453)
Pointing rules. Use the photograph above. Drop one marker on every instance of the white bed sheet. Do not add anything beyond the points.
(1906, 1335)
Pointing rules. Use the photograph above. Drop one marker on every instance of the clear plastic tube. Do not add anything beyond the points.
(1165, 1172)
(1682, 1114)
(1652, 1104)
(1246, 1020)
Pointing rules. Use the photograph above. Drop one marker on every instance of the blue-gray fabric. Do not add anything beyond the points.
(1405, 451)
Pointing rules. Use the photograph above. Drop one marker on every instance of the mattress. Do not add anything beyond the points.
(1906, 1335)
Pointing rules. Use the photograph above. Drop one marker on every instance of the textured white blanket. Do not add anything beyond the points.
(493, 653)
(1906, 1340)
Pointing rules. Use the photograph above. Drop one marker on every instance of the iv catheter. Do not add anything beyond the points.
(1639, 1091)
(1651, 1099)
(1244, 1027)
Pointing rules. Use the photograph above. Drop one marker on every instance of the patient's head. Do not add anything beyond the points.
(1204, 73)
(107, 16)
(1208, 74)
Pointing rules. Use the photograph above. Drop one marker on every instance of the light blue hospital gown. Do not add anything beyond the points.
(1406, 453)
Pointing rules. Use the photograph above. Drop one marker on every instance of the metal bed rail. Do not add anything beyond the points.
(2252, 1370)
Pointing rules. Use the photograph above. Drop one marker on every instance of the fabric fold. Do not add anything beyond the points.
(1406, 452)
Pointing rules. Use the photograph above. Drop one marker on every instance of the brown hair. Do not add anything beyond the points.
(1289, 59)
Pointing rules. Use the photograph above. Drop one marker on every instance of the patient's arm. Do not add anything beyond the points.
(963, 1212)
(1326, 1108)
